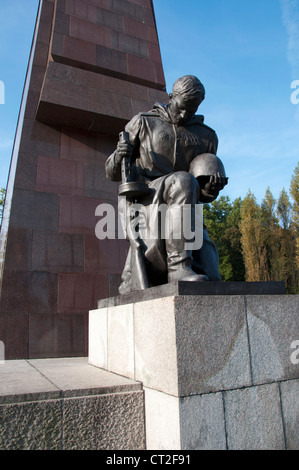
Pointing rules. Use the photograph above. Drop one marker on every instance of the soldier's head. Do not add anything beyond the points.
(187, 94)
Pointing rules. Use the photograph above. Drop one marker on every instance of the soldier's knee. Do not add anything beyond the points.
(184, 186)
(184, 181)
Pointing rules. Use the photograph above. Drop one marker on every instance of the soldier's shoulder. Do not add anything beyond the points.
(208, 128)
(200, 122)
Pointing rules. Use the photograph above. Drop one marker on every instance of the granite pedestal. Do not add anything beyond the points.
(216, 368)
(67, 404)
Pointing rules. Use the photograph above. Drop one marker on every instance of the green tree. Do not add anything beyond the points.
(253, 240)
(222, 220)
(270, 225)
(231, 242)
(284, 209)
(287, 241)
(294, 191)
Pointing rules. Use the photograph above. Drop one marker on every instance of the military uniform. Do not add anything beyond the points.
(162, 153)
(161, 147)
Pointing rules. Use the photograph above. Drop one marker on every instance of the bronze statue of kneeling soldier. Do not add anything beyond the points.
(168, 156)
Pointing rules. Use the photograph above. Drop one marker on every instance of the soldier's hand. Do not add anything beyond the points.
(217, 182)
(123, 149)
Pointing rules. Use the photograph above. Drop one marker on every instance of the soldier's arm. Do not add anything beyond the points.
(213, 144)
(113, 163)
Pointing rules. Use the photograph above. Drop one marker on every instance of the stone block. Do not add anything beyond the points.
(253, 418)
(19, 249)
(20, 383)
(33, 210)
(26, 171)
(44, 32)
(110, 19)
(129, 44)
(203, 347)
(190, 344)
(60, 176)
(142, 69)
(14, 330)
(62, 23)
(66, 404)
(106, 422)
(191, 423)
(273, 326)
(40, 139)
(111, 59)
(159, 73)
(78, 292)
(181, 288)
(86, 97)
(89, 32)
(148, 17)
(143, 3)
(77, 214)
(30, 426)
(31, 105)
(105, 256)
(57, 335)
(98, 338)
(76, 49)
(57, 252)
(79, 146)
(41, 54)
(29, 291)
(290, 409)
(127, 8)
(57, 46)
(154, 53)
(202, 422)
(162, 421)
(47, 11)
(92, 96)
(156, 353)
(138, 29)
(96, 184)
(81, 9)
(195, 354)
(121, 341)
(75, 377)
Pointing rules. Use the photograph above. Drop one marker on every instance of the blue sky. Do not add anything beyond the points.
(246, 53)
(17, 20)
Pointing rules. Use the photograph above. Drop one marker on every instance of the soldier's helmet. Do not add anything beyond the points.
(206, 164)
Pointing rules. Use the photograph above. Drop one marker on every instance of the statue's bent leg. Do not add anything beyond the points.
(181, 189)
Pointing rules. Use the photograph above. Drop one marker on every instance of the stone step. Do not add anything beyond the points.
(51, 404)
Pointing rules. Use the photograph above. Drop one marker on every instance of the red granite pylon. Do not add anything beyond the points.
(94, 64)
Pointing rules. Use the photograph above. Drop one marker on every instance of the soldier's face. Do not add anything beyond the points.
(182, 108)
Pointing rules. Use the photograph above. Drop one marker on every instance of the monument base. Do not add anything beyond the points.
(217, 370)
(67, 404)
